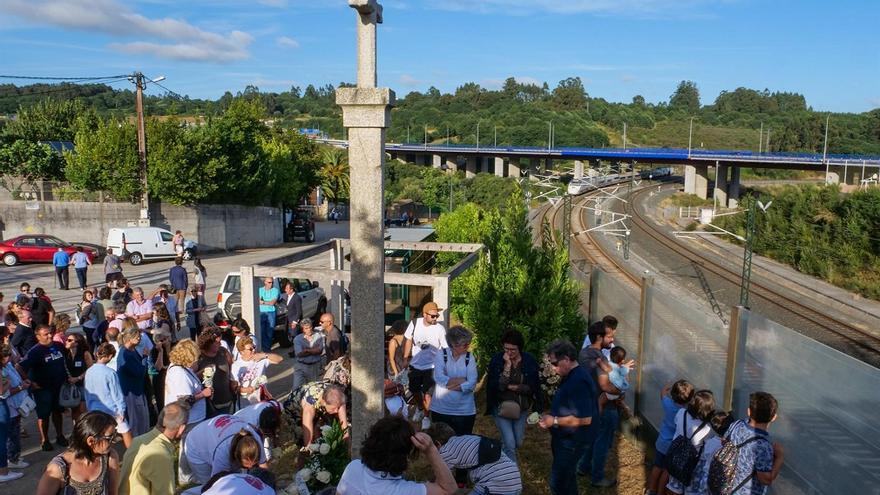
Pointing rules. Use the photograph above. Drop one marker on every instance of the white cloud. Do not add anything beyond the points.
(183, 41)
(524, 7)
(409, 81)
(287, 42)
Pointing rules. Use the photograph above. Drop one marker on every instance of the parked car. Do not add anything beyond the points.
(38, 248)
(138, 244)
(314, 302)
(300, 226)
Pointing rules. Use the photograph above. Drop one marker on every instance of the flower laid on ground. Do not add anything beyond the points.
(327, 460)
(549, 379)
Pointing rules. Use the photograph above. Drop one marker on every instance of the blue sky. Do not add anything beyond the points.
(828, 51)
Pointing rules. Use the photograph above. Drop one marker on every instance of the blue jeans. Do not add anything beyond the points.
(267, 330)
(13, 440)
(593, 459)
(566, 450)
(81, 276)
(513, 432)
(4, 432)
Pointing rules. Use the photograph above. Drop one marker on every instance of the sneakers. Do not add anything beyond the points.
(11, 475)
(418, 415)
(426, 423)
(604, 483)
(47, 447)
(62, 442)
(17, 465)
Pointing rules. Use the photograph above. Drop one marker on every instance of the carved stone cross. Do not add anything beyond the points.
(370, 14)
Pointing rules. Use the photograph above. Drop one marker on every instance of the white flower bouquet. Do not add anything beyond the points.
(328, 456)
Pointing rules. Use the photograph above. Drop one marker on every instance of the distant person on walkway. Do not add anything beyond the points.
(200, 275)
(334, 215)
(103, 392)
(112, 268)
(572, 414)
(268, 297)
(177, 242)
(195, 309)
(61, 260)
(294, 304)
(385, 454)
(23, 298)
(90, 465)
(81, 262)
(425, 337)
(24, 337)
(41, 308)
(44, 363)
(513, 389)
(179, 280)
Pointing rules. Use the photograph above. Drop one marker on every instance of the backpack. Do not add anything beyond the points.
(488, 452)
(467, 358)
(722, 468)
(682, 457)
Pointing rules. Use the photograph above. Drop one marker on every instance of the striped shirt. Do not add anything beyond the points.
(500, 477)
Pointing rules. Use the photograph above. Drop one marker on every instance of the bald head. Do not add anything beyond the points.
(173, 419)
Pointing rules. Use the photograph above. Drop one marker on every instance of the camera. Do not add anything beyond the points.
(424, 345)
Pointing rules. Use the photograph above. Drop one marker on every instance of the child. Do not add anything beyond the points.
(758, 462)
(617, 374)
(693, 423)
(674, 398)
(498, 478)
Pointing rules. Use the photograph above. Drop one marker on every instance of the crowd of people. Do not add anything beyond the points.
(197, 410)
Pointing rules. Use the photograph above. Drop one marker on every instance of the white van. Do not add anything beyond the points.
(146, 243)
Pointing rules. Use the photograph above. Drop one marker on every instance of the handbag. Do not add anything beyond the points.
(27, 405)
(70, 395)
(510, 409)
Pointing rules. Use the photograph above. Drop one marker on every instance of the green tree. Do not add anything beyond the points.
(686, 97)
(106, 159)
(24, 162)
(48, 120)
(335, 173)
(175, 171)
(514, 284)
(570, 94)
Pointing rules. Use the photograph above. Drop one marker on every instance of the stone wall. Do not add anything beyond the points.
(213, 227)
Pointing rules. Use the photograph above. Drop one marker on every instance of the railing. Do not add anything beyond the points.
(828, 401)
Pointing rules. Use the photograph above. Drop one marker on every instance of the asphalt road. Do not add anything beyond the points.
(148, 276)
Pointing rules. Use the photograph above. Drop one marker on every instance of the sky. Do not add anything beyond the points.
(827, 51)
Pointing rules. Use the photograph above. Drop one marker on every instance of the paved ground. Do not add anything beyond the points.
(148, 276)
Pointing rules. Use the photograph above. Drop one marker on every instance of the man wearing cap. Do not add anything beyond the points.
(424, 337)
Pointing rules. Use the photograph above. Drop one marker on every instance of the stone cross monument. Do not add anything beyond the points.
(366, 113)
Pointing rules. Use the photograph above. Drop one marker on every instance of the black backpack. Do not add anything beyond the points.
(682, 457)
(722, 468)
(488, 452)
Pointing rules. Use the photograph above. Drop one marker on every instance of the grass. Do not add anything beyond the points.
(674, 134)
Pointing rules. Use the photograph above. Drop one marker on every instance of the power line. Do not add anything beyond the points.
(57, 89)
(173, 93)
(41, 78)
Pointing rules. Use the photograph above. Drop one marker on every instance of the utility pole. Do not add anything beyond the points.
(478, 134)
(825, 147)
(496, 135)
(690, 136)
(566, 223)
(426, 136)
(138, 79)
(624, 136)
(761, 138)
(549, 135)
(447, 136)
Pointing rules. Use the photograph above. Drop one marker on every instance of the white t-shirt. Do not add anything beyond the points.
(245, 372)
(358, 479)
(210, 442)
(251, 414)
(427, 341)
(180, 381)
(239, 484)
(691, 424)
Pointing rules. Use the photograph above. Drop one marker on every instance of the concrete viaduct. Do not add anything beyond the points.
(519, 161)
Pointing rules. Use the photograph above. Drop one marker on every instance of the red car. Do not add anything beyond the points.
(39, 248)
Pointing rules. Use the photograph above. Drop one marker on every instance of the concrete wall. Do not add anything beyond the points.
(213, 227)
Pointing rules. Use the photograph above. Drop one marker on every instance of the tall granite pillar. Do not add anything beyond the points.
(701, 184)
(366, 113)
(513, 168)
(437, 161)
(690, 179)
(451, 165)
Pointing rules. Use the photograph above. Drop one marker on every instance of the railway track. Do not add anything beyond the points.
(847, 338)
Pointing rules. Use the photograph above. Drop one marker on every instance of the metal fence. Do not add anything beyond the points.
(828, 401)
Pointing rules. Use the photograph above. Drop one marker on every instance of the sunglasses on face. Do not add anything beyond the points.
(113, 438)
(71, 340)
(435, 315)
(248, 349)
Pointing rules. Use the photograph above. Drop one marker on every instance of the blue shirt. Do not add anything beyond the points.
(61, 259)
(46, 365)
(178, 277)
(80, 260)
(268, 295)
(667, 428)
(577, 397)
(753, 456)
(102, 390)
(131, 370)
